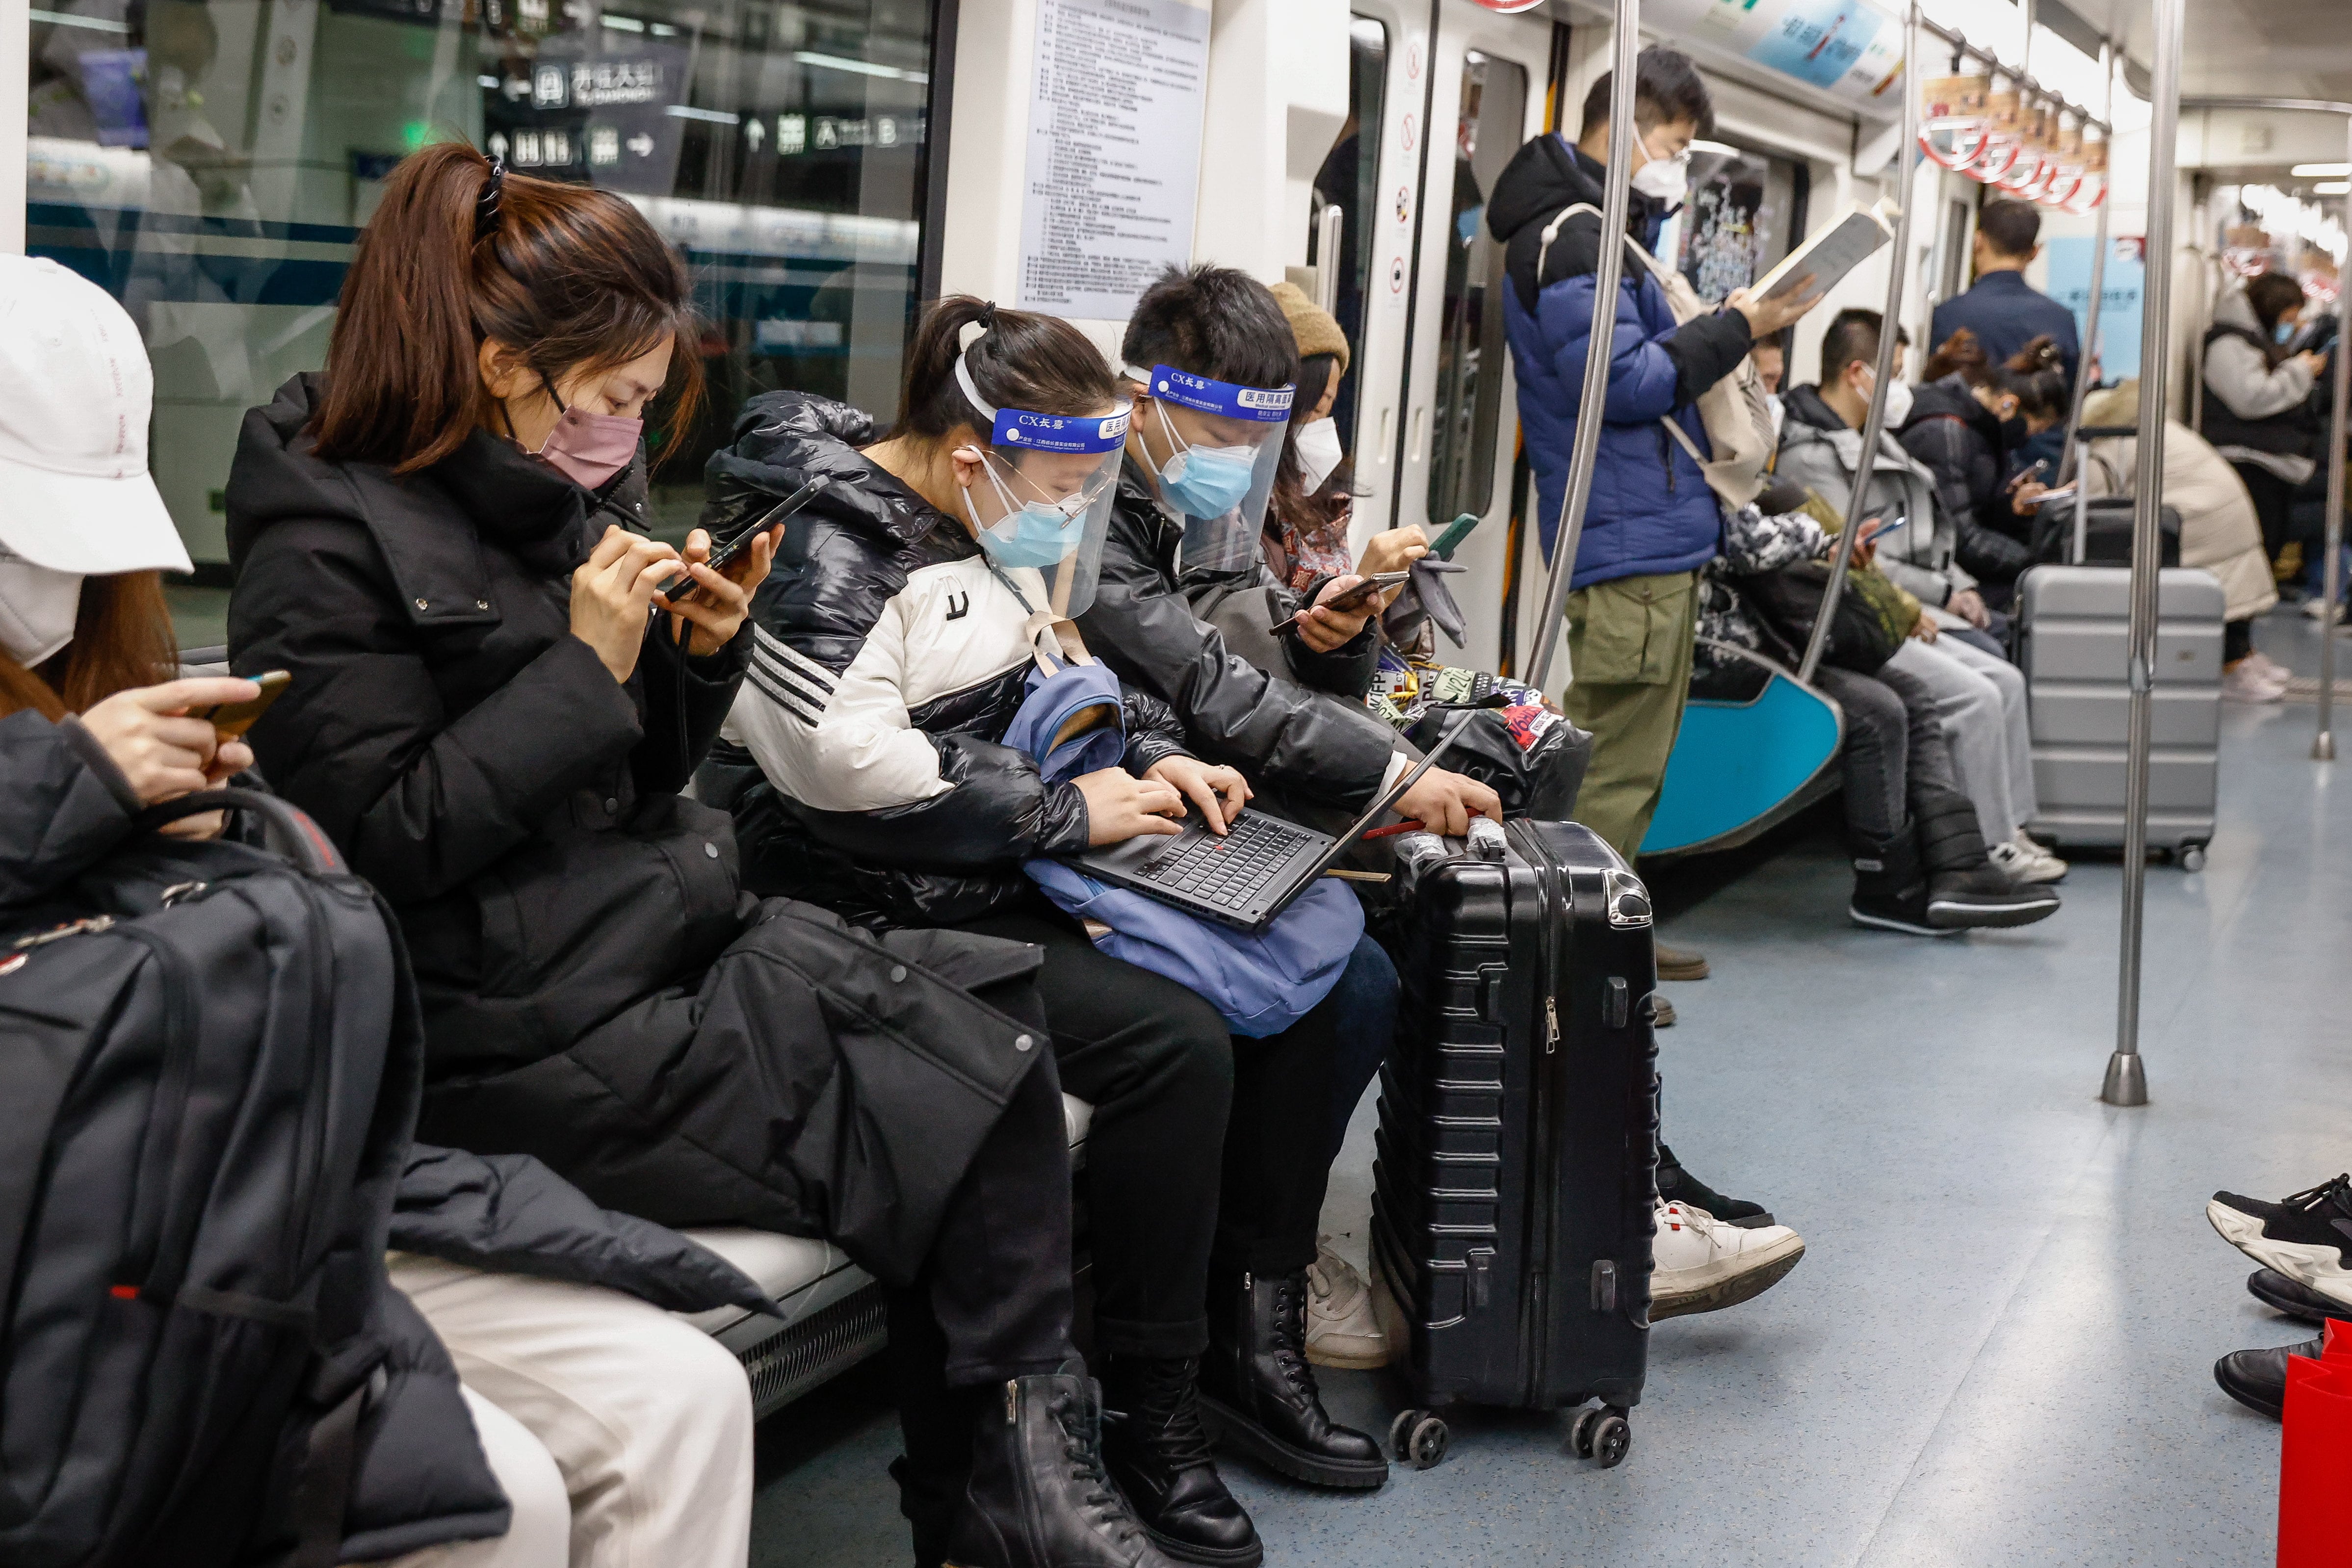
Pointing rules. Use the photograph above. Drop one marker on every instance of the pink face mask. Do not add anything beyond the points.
(590, 448)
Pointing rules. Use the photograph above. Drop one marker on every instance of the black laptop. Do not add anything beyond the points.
(1249, 876)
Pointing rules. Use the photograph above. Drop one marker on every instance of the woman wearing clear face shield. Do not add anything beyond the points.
(912, 599)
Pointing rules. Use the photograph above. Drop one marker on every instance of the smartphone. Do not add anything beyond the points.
(2029, 475)
(2052, 497)
(726, 555)
(1447, 542)
(230, 719)
(1354, 598)
(1884, 529)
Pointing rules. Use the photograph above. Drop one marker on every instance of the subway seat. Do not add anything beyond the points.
(833, 1311)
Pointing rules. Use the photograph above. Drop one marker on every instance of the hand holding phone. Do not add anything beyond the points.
(2027, 474)
(231, 720)
(726, 555)
(1456, 532)
(1353, 599)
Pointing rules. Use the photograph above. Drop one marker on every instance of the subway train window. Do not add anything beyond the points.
(210, 165)
(1469, 401)
(1351, 181)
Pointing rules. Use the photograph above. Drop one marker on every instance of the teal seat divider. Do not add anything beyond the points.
(1740, 767)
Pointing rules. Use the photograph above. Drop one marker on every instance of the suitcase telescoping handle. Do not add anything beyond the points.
(291, 833)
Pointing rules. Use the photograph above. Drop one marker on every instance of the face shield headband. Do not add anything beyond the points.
(1050, 483)
(1222, 490)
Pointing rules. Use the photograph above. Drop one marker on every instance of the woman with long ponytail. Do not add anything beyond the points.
(499, 690)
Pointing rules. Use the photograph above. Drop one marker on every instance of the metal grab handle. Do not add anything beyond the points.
(1329, 225)
(1873, 425)
(1609, 274)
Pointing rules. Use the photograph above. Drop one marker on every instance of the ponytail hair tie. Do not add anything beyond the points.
(971, 331)
(487, 204)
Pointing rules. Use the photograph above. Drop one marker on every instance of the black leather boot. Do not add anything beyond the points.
(1965, 888)
(1038, 1497)
(1259, 1393)
(1155, 1448)
(1890, 886)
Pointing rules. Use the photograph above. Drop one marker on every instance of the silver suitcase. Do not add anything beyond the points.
(2073, 643)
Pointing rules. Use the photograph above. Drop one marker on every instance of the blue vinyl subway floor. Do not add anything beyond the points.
(1998, 1347)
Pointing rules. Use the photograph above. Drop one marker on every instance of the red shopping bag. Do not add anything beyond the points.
(2315, 1459)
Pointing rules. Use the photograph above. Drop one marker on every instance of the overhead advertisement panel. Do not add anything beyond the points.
(1848, 50)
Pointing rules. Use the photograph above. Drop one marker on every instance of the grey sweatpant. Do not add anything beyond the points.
(1981, 698)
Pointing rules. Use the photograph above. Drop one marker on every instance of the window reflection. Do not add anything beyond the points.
(1470, 357)
(210, 162)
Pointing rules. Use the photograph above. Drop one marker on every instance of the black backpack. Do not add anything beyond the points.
(210, 1058)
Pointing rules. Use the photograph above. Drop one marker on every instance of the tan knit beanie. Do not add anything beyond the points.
(1311, 324)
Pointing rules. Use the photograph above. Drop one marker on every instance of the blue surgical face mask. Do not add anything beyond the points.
(1204, 481)
(1037, 536)
(2283, 333)
(1034, 533)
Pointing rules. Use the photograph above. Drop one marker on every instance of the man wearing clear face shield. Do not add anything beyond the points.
(915, 596)
(1183, 505)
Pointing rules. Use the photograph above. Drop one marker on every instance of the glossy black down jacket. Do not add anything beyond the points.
(1276, 732)
(866, 631)
(599, 991)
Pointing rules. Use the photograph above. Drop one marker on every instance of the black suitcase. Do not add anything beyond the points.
(1515, 1171)
(2107, 533)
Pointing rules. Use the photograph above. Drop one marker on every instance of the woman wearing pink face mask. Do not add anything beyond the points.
(497, 698)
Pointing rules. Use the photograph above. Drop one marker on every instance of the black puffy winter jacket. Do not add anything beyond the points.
(1275, 731)
(889, 658)
(600, 992)
(1959, 439)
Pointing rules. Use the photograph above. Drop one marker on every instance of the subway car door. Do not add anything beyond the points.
(1429, 416)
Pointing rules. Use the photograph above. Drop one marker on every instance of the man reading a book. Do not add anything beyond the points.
(1652, 522)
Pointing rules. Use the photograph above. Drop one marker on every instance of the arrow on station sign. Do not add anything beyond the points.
(642, 145)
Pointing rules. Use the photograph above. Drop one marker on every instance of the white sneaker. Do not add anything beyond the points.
(2239, 684)
(2023, 861)
(2277, 673)
(1702, 1265)
(2313, 609)
(1341, 1328)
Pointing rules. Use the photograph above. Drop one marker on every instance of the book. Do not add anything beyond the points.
(1834, 252)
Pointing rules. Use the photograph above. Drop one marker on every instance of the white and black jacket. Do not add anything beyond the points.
(887, 661)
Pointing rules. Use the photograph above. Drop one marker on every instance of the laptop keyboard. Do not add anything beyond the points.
(1228, 871)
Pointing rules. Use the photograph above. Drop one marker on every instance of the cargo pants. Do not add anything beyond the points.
(1629, 662)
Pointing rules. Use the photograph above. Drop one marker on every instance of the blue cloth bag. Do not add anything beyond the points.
(1261, 984)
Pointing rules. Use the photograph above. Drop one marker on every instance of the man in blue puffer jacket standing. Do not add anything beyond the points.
(1652, 522)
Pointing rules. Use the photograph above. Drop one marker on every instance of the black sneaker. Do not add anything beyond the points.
(2306, 1236)
(2281, 1294)
(2257, 1379)
(1676, 1186)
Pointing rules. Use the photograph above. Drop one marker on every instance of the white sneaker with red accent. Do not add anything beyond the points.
(1701, 1265)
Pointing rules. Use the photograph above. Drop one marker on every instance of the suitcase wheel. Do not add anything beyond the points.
(1611, 1437)
(1601, 1432)
(1417, 1438)
(2192, 857)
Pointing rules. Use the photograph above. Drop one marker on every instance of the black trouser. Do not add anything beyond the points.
(2274, 504)
(2237, 640)
(1893, 738)
(1162, 1070)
